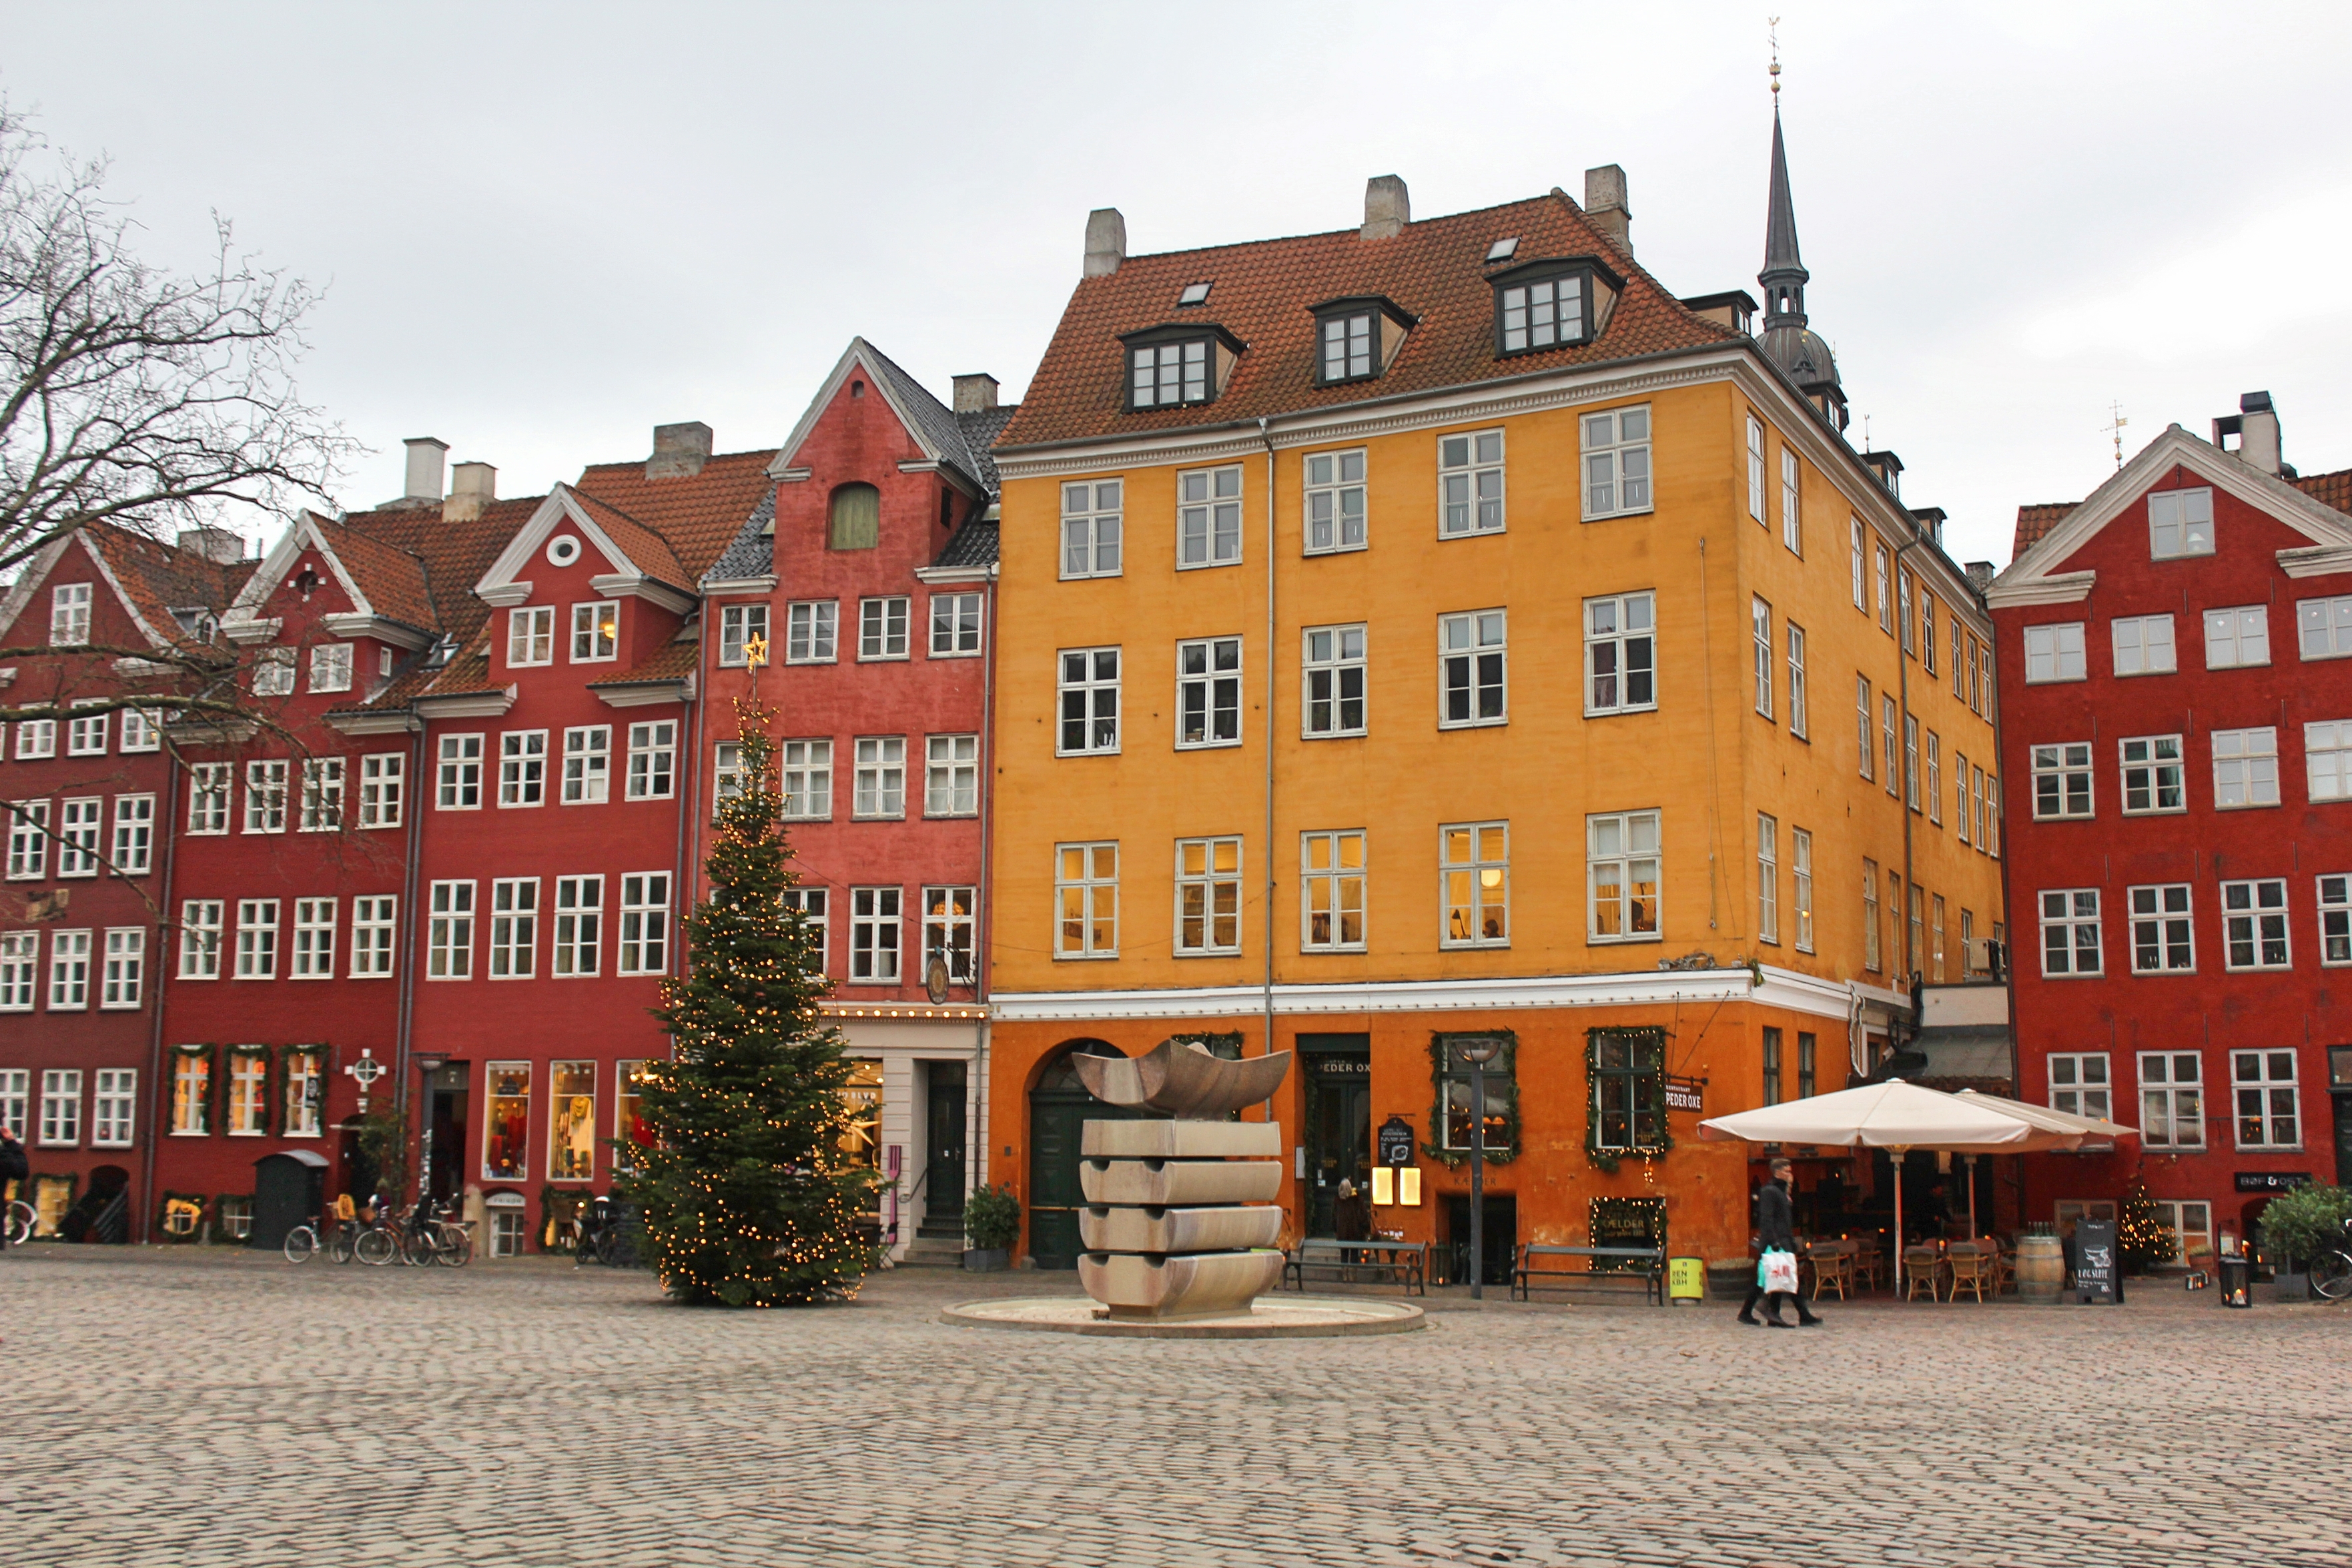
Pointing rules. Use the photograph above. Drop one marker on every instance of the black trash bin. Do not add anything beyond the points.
(2237, 1271)
(287, 1189)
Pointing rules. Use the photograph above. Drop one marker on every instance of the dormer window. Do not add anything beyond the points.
(1170, 366)
(1552, 304)
(1193, 294)
(1347, 346)
(1358, 338)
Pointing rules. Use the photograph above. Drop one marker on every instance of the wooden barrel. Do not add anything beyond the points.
(2040, 1268)
(1728, 1278)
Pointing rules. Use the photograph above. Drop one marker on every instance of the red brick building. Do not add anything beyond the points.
(2177, 734)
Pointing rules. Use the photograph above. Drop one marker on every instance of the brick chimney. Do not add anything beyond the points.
(472, 487)
(1106, 242)
(1606, 207)
(679, 450)
(975, 393)
(1387, 207)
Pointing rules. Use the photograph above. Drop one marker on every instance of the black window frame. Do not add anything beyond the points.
(1502, 1083)
(1206, 335)
(1585, 270)
(1389, 322)
(1639, 1102)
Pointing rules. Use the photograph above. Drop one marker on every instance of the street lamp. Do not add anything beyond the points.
(1477, 1053)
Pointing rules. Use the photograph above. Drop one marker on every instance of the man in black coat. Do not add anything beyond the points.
(1776, 1231)
(14, 1167)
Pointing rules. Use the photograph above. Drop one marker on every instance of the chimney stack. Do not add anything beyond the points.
(1606, 205)
(1106, 242)
(424, 457)
(223, 547)
(2256, 426)
(472, 487)
(1387, 207)
(975, 393)
(679, 450)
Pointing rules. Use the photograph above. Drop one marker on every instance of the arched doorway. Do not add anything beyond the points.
(1059, 1108)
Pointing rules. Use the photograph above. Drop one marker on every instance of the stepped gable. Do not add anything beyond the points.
(1261, 293)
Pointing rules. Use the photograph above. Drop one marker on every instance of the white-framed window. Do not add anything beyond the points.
(1470, 484)
(1800, 844)
(28, 841)
(1959, 663)
(1208, 897)
(2054, 653)
(305, 1092)
(1472, 650)
(653, 760)
(382, 775)
(2143, 644)
(114, 1108)
(273, 672)
(1983, 811)
(20, 969)
(955, 626)
(373, 926)
(1086, 900)
(1621, 854)
(1886, 589)
(1903, 609)
(200, 939)
(16, 1091)
(1089, 694)
(123, 980)
(948, 932)
(1333, 668)
(1335, 501)
(1756, 469)
(951, 775)
(2163, 932)
(69, 615)
(815, 913)
(1792, 494)
(644, 924)
(1208, 693)
(1759, 620)
(1620, 654)
(1926, 627)
(2253, 924)
(2327, 759)
(523, 768)
(579, 926)
(2062, 781)
(2323, 626)
(1209, 516)
(739, 625)
(1767, 878)
(725, 773)
(2079, 1084)
(811, 631)
(2180, 522)
(2245, 768)
(1892, 770)
(2334, 904)
(36, 739)
(461, 773)
(874, 936)
(531, 634)
(2171, 1099)
(322, 795)
(80, 824)
(331, 667)
(60, 1107)
(2269, 1108)
(882, 628)
(807, 781)
(192, 1083)
(2237, 636)
(881, 777)
(1935, 778)
(1796, 636)
(595, 632)
(1473, 861)
(1961, 797)
(134, 833)
(86, 735)
(587, 764)
(449, 932)
(1332, 872)
(1981, 694)
(265, 796)
(142, 731)
(2070, 931)
(256, 939)
(1092, 523)
(2191, 1223)
(1862, 707)
(1861, 568)
(514, 928)
(314, 939)
(1616, 462)
(68, 971)
(2152, 776)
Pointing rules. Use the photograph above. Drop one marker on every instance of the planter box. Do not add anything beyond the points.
(985, 1260)
(2287, 1287)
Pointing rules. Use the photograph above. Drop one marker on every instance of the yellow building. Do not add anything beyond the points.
(1439, 631)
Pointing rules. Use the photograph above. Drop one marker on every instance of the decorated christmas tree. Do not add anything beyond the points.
(747, 1196)
(2142, 1238)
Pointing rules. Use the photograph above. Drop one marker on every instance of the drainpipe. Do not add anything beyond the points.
(1265, 435)
(418, 787)
(158, 1091)
(977, 1173)
(1903, 793)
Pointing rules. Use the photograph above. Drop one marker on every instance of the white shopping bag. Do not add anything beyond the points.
(1777, 1271)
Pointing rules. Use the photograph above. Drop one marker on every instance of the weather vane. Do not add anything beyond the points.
(2116, 430)
(1773, 34)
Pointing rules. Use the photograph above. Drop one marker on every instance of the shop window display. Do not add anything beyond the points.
(571, 1121)
(507, 1129)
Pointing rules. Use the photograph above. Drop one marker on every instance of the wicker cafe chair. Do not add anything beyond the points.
(1922, 1267)
(1972, 1267)
(1869, 1264)
(1833, 1264)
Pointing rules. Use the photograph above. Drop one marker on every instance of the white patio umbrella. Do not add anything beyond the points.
(1900, 1117)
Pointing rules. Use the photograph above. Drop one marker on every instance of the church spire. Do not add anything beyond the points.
(1788, 340)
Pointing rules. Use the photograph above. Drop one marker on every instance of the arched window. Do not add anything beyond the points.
(856, 518)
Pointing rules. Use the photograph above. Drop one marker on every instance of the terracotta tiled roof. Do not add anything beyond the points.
(159, 578)
(2036, 518)
(391, 579)
(1261, 292)
(698, 516)
(671, 661)
(454, 554)
(2328, 489)
(650, 551)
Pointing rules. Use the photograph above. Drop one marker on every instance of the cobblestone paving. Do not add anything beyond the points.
(223, 1408)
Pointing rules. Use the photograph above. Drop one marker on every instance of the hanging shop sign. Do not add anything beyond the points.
(1685, 1093)
(2272, 1180)
(1396, 1141)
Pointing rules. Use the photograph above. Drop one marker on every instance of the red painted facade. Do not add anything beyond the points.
(2245, 1016)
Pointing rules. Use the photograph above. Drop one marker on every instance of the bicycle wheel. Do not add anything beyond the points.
(421, 1249)
(340, 1247)
(456, 1247)
(2331, 1274)
(23, 1220)
(376, 1247)
(300, 1242)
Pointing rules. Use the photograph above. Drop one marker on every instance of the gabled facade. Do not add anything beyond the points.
(2177, 738)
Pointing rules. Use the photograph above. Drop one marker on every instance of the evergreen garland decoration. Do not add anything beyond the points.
(213, 1074)
(1502, 1074)
(1226, 1042)
(2143, 1240)
(748, 1196)
(1650, 1089)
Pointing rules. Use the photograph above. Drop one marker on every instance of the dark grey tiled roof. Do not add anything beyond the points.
(753, 553)
(974, 545)
(980, 433)
(942, 429)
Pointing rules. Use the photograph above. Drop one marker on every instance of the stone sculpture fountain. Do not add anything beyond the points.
(1179, 1221)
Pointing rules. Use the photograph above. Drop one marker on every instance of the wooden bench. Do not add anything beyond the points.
(1650, 1272)
(1405, 1263)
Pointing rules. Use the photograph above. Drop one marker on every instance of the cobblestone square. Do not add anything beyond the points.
(212, 1408)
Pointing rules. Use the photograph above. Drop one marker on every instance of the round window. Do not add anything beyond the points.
(563, 550)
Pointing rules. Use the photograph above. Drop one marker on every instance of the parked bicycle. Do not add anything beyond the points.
(434, 1238)
(2331, 1272)
(23, 1220)
(606, 1233)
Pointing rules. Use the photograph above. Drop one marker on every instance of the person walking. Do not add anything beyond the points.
(1776, 1231)
(14, 1168)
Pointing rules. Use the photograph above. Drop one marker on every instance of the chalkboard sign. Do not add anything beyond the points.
(1396, 1141)
(2096, 1275)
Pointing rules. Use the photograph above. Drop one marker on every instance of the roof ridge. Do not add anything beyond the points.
(1344, 229)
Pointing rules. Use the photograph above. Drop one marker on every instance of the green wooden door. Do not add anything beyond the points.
(1059, 1109)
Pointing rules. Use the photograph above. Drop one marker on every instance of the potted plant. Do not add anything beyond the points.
(2297, 1225)
(991, 1219)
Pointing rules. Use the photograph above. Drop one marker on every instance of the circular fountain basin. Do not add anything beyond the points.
(1268, 1318)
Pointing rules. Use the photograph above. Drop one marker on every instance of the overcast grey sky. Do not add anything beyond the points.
(547, 229)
